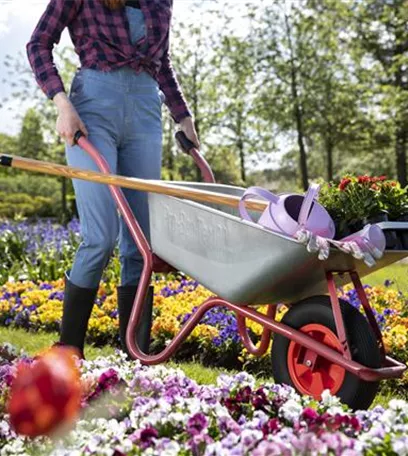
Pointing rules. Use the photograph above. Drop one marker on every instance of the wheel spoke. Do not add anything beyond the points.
(317, 335)
(335, 372)
(301, 370)
(328, 381)
(318, 385)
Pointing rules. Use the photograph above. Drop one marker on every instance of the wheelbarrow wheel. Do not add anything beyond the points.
(309, 374)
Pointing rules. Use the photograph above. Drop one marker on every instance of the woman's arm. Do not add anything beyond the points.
(58, 14)
(171, 88)
(175, 99)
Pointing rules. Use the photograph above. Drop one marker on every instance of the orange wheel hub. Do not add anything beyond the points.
(310, 373)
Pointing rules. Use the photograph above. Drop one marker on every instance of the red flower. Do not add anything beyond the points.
(382, 178)
(344, 183)
(363, 179)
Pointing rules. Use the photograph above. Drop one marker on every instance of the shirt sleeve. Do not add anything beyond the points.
(58, 15)
(170, 86)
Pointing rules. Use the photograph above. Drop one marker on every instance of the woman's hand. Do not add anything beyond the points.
(187, 126)
(68, 121)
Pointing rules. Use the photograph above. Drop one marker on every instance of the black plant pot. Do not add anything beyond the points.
(403, 234)
(342, 229)
(355, 226)
(377, 218)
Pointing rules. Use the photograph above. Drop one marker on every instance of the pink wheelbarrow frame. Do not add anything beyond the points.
(390, 368)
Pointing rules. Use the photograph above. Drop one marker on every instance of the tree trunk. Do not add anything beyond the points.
(301, 144)
(401, 125)
(297, 110)
(401, 153)
(329, 152)
(242, 159)
(240, 145)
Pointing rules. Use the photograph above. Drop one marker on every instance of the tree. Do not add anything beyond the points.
(284, 49)
(23, 88)
(382, 55)
(31, 139)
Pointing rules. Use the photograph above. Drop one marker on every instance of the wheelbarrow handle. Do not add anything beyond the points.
(78, 135)
(190, 148)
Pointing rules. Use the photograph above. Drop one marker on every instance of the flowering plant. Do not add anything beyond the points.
(360, 197)
(357, 199)
(393, 199)
(130, 409)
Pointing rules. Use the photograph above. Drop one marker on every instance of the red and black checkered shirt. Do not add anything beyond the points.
(101, 38)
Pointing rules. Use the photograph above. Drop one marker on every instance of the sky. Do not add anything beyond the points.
(17, 21)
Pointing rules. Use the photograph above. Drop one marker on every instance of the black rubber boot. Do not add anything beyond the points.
(77, 308)
(126, 297)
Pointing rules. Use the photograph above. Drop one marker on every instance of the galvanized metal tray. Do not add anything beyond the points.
(238, 260)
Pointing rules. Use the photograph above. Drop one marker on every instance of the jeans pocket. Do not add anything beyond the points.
(77, 88)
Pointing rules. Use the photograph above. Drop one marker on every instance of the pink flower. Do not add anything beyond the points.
(196, 424)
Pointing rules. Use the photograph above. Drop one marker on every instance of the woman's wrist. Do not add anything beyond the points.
(187, 120)
(62, 101)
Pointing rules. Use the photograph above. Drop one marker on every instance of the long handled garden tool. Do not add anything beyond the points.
(151, 186)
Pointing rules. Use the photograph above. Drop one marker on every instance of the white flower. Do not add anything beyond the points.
(399, 406)
(400, 446)
(291, 410)
(328, 400)
(335, 409)
(15, 447)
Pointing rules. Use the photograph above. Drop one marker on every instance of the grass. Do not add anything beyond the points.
(397, 273)
(34, 343)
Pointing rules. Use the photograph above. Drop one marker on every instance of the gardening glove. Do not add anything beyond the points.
(364, 251)
(357, 250)
(314, 243)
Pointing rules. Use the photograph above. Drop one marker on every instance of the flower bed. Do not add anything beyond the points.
(128, 409)
(214, 342)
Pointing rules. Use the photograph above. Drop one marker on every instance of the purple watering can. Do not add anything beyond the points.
(289, 213)
(371, 236)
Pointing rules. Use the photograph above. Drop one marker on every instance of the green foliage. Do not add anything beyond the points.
(22, 204)
(31, 140)
(394, 199)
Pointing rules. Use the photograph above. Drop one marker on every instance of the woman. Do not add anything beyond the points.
(115, 100)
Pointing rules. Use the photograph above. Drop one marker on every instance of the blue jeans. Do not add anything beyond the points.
(122, 112)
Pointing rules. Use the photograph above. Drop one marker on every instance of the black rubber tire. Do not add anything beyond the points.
(356, 393)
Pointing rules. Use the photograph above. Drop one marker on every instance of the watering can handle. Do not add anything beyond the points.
(310, 196)
(254, 192)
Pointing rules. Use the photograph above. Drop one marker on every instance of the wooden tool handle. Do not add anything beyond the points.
(152, 186)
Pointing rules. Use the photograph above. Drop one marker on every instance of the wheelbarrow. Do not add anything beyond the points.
(322, 342)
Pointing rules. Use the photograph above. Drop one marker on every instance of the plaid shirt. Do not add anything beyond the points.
(101, 38)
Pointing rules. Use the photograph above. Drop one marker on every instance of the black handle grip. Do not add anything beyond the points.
(77, 136)
(6, 160)
(185, 144)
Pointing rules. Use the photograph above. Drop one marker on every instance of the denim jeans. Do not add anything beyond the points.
(122, 113)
